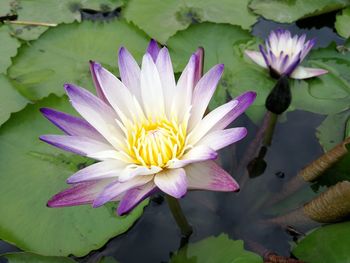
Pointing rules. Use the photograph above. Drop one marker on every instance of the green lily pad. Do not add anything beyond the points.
(62, 55)
(219, 249)
(9, 46)
(8, 7)
(333, 129)
(217, 41)
(162, 19)
(32, 172)
(53, 12)
(325, 244)
(289, 11)
(342, 23)
(12, 102)
(22, 257)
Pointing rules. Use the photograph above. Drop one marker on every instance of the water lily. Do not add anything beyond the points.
(283, 54)
(146, 131)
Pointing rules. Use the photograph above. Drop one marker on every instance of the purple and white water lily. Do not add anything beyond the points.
(147, 132)
(283, 54)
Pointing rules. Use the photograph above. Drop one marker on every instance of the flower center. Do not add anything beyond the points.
(156, 142)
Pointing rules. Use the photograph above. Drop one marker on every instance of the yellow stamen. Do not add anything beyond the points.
(155, 142)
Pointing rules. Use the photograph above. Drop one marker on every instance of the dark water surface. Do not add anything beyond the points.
(155, 235)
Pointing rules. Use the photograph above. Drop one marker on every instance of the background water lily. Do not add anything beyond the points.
(283, 54)
(147, 131)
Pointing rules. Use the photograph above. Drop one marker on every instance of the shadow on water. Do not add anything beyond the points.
(155, 236)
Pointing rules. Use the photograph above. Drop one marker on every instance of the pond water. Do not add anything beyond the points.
(155, 236)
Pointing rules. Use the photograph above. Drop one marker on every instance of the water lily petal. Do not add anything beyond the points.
(172, 181)
(111, 155)
(76, 144)
(199, 65)
(243, 102)
(219, 139)
(151, 88)
(197, 154)
(203, 92)
(304, 73)
(209, 176)
(117, 94)
(72, 125)
(79, 194)
(184, 89)
(117, 188)
(210, 121)
(96, 112)
(153, 49)
(133, 170)
(135, 196)
(101, 170)
(166, 74)
(257, 57)
(99, 91)
(129, 72)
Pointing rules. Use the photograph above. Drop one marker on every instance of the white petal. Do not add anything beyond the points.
(209, 176)
(257, 57)
(97, 171)
(117, 188)
(129, 72)
(97, 113)
(167, 79)
(151, 88)
(203, 92)
(172, 181)
(196, 154)
(304, 73)
(219, 139)
(209, 121)
(117, 94)
(77, 144)
(134, 170)
(184, 89)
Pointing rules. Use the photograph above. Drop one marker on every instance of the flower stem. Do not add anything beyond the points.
(175, 208)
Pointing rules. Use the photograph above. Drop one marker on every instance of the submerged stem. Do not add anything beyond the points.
(175, 208)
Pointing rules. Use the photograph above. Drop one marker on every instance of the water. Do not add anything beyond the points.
(155, 236)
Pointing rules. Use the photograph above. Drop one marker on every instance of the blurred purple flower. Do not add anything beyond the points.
(283, 54)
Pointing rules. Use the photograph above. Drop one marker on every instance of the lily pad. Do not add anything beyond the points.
(32, 172)
(325, 244)
(333, 129)
(219, 249)
(22, 257)
(289, 11)
(9, 46)
(8, 7)
(217, 41)
(12, 102)
(162, 19)
(342, 23)
(53, 12)
(62, 55)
